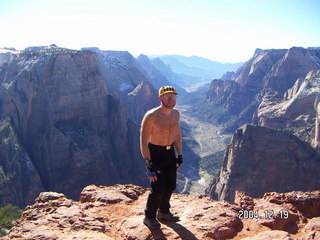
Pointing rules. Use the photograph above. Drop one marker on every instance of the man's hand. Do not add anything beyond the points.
(152, 175)
(151, 170)
(179, 161)
(177, 166)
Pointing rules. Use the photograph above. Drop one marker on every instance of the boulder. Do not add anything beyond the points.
(117, 212)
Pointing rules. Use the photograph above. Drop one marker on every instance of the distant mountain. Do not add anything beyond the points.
(265, 78)
(201, 70)
(279, 91)
(185, 81)
(296, 110)
(157, 78)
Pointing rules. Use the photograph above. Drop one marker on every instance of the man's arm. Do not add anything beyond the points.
(178, 144)
(145, 133)
(178, 141)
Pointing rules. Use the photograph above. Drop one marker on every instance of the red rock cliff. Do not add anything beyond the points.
(71, 113)
(261, 160)
(268, 74)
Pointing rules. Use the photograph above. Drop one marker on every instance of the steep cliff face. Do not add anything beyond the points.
(70, 113)
(276, 89)
(141, 99)
(156, 77)
(220, 90)
(262, 160)
(19, 180)
(295, 111)
(121, 71)
(126, 79)
(268, 74)
(317, 134)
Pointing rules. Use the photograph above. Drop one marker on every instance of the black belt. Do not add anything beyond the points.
(168, 147)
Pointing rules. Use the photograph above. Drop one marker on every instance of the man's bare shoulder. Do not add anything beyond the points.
(149, 115)
(152, 112)
(176, 112)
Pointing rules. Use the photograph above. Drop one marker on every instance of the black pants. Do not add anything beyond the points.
(161, 190)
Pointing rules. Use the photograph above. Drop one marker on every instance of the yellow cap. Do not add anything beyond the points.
(167, 89)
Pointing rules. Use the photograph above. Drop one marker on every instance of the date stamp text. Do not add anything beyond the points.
(266, 214)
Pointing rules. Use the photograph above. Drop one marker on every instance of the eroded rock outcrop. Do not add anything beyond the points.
(125, 79)
(156, 77)
(297, 109)
(74, 117)
(260, 160)
(317, 130)
(267, 75)
(19, 180)
(117, 212)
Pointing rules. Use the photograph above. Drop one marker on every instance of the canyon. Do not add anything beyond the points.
(70, 119)
(271, 106)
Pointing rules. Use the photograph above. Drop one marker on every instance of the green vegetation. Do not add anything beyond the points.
(8, 214)
(212, 163)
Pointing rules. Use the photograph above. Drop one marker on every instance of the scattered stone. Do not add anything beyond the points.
(117, 212)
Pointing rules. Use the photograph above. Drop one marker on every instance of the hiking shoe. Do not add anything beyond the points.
(151, 222)
(167, 217)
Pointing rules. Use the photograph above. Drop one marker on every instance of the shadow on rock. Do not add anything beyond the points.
(183, 232)
(157, 234)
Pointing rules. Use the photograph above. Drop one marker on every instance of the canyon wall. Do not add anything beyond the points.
(76, 117)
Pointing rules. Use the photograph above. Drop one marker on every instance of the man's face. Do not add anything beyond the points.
(168, 100)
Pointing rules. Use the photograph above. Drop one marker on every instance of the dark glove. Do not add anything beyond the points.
(151, 168)
(150, 174)
(179, 159)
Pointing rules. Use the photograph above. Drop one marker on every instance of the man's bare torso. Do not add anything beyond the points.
(164, 128)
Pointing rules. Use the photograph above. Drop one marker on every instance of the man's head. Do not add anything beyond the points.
(167, 96)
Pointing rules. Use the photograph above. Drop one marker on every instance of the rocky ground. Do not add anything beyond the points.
(116, 212)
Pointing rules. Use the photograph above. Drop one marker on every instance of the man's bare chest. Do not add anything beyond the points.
(163, 124)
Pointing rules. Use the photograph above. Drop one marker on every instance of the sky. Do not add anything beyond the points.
(220, 30)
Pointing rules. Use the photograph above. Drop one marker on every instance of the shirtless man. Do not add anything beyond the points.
(160, 134)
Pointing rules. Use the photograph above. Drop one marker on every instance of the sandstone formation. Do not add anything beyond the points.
(267, 75)
(276, 89)
(296, 111)
(19, 180)
(156, 77)
(260, 160)
(317, 134)
(76, 116)
(116, 212)
(124, 77)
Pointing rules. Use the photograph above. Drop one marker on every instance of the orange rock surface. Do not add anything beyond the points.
(116, 212)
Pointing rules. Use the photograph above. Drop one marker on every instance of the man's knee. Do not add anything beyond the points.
(158, 190)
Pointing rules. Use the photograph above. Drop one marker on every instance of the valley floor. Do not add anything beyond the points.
(205, 148)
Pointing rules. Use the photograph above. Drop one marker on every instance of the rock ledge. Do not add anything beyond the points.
(116, 212)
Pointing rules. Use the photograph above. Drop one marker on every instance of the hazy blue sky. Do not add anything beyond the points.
(222, 30)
